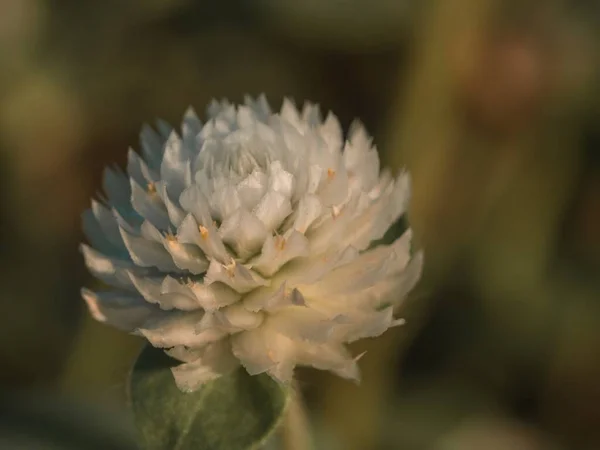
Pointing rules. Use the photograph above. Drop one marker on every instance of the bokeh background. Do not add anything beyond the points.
(493, 105)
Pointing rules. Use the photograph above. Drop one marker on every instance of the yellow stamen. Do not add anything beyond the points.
(151, 188)
(280, 243)
(230, 268)
(330, 174)
(203, 232)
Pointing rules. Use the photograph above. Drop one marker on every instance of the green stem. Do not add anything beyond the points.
(296, 433)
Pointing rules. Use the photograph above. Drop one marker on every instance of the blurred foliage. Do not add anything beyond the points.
(493, 106)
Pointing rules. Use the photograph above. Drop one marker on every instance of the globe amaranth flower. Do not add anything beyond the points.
(246, 240)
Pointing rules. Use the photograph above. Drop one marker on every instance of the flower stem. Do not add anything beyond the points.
(296, 433)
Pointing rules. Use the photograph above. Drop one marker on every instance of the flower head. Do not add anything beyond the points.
(246, 240)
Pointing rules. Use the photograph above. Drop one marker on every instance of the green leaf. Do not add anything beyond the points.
(234, 412)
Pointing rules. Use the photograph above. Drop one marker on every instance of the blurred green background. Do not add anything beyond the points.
(494, 106)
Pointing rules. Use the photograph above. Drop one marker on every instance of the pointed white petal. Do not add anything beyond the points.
(111, 271)
(282, 350)
(116, 185)
(290, 114)
(224, 202)
(364, 324)
(243, 232)
(331, 132)
(138, 170)
(308, 210)
(120, 310)
(252, 188)
(95, 235)
(176, 295)
(396, 205)
(366, 270)
(148, 287)
(311, 114)
(280, 180)
(278, 250)
(164, 128)
(334, 188)
(316, 173)
(192, 200)
(310, 270)
(128, 219)
(302, 323)
(149, 205)
(206, 237)
(108, 224)
(250, 347)
(234, 275)
(214, 296)
(333, 357)
(175, 213)
(190, 129)
(150, 232)
(239, 317)
(186, 256)
(330, 233)
(152, 146)
(216, 360)
(146, 253)
(272, 209)
(178, 328)
(185, 354)
(273, 298)
(175, 166)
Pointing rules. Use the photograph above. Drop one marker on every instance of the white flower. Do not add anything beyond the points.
(246, 241)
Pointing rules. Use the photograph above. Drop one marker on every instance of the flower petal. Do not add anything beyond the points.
(175, 213)
(363, 325)
(176, 295)
(152, 146)
(109, 270)
(116, 186)
(309, 209)
(243, 232)
(252, 188)
(272, 209)
(301, 323)
(149, 205)
(216, 360)
(332, 357)
(146, 253)
(178, 328)
(124, 311)
(214, 296)
(108, 224)
(239, 317)
(250, 347)
(138, 170)
(190, 129)
(234, 275)
(94, 233)
(186, 256)
(278, 250)
(194, 201)
(206, 237)
(280, 180)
